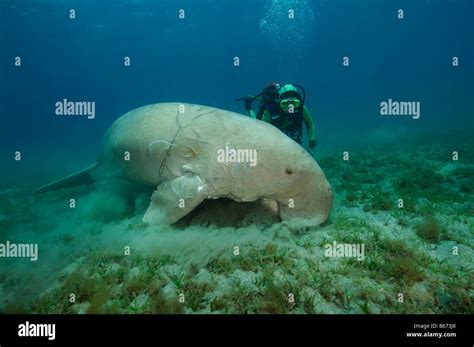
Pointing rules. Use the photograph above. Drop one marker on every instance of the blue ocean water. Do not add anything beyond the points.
(192, 60)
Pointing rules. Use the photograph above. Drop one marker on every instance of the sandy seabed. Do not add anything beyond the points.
(237, 258)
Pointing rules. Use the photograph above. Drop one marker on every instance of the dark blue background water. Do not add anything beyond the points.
(191, 60)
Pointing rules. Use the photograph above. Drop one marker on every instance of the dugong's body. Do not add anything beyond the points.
(186, 152)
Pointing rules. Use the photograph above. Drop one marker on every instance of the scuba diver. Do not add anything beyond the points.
(268, 101)
(284, 108)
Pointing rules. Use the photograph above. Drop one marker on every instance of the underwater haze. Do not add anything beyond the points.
(390, 89)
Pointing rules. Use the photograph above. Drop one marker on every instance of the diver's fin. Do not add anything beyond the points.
(172, 200)
(77, 179)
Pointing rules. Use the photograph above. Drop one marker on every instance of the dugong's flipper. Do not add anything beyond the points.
(174, 199)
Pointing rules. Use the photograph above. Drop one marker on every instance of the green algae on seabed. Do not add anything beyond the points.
(423, 251)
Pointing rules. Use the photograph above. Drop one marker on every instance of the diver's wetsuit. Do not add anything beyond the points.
(270, 106)
(291, 124)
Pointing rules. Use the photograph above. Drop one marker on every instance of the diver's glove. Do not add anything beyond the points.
(248, 102)
(313, 143)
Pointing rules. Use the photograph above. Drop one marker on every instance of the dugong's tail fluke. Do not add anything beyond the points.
(77, 179)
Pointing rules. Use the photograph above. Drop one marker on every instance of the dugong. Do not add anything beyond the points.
(190, 153)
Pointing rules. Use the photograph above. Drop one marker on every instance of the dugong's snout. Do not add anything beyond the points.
(312, 202)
